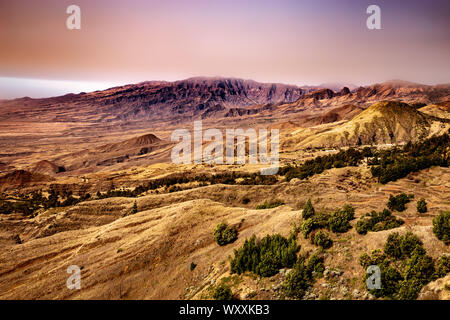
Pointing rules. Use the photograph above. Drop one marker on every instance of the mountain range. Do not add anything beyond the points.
(203, 98)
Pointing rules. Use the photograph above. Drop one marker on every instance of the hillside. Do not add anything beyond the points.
(386, 122)
(148, 255)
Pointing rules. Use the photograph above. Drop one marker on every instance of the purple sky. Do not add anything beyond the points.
(299, 42)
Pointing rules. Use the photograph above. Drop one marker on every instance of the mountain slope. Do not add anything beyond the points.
(382, 123)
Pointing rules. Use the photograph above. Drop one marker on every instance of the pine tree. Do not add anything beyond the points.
(135, 209)
(308, 210)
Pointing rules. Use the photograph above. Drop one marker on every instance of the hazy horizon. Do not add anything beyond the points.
(14, 88)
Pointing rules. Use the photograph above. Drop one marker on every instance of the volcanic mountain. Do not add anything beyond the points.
(176, 101)
(201, 98)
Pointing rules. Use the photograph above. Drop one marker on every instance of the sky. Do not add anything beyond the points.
(305, 42)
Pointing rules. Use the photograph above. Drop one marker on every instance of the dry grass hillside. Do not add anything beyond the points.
(386, 122)
(147, 255)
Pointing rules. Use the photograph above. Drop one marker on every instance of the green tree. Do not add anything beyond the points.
(135, 208)
(224, 234)
(308, 210)
(441, 226)
(422, 206)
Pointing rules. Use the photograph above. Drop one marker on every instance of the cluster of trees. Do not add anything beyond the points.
(270, 204)
(441, 226)
(225, 234)
(344, 158)
(266, 256)
(303, 275)
(396, 163)
(172, 182)
(28, 204)
(398, 203)
(378, 221)
(338, 221)
(405, 267)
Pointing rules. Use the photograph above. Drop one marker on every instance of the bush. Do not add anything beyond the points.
(222, 292)
(409, 243)
(398, 203)
(422, 206)
(392, 246)
(442, 266)
(340, 219)
(298, 281)
(441, 226)
(321, 239)
(308, 210)
(419, 267)
(224, 234)
(270, 205)
(265, 257)
(318, 221)
(416, 267)
(316, 265)
(377, 221)
(409, 289)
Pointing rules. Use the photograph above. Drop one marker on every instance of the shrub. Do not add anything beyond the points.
(308, 210)
(409, 289)
(442, 266)
(316, 265)
(270, 205)
(265, 257)
(377, 221)
(409, 243)
(363, 226)
(298, 281)
(307, 227)
(392, 246)
(340, 219)
(422, 206)
(419, 267)
(321, 239)
(222, 292)
(224, 234)
(441, 226)
(398, 203)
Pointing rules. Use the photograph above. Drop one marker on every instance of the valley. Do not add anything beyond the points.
(87, 180)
